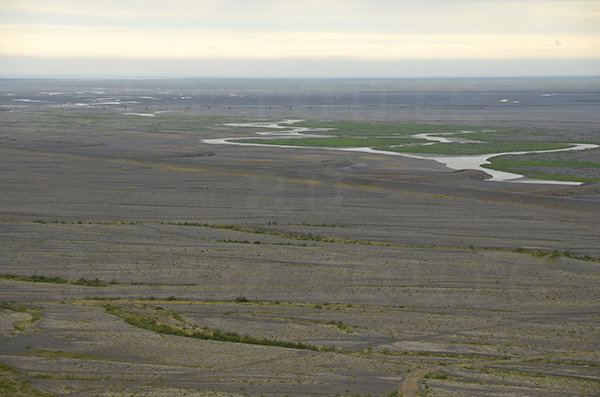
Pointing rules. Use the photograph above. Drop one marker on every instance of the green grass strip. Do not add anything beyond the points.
(54, 280)
(154, 324)
(319, 238)
(532, 174)
(22, 325)
(507, 161)
(467, 149)
(14, 308)
(362, 128)
(349, 142)
(14, 383)
(508, 164)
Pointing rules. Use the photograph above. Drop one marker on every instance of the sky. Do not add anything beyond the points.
(299, 39)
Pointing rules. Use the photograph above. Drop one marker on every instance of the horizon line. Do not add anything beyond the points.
(524, 76)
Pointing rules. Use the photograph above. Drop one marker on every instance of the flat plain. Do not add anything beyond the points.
(138, 260)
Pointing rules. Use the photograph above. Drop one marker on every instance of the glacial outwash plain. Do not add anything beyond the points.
(300, 237)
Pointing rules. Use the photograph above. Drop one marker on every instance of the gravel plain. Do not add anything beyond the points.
(389, 275)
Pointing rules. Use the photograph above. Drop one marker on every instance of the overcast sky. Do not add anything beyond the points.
(279, 38)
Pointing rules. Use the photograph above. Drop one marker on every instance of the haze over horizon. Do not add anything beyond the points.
(299, 39)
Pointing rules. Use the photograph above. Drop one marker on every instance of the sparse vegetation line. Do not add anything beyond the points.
(319, 238)
(290, 236)
(155, 324)
(34, 315)
(410, 386)
(54, 280)
(16, 383)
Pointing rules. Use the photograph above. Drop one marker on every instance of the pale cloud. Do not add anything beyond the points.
(309, 29)
(407, 17)
(116, 42)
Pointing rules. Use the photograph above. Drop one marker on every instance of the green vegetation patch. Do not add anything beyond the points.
(323, 239)
(576, 171)
(62, 354)
(552, 176)
(465, 149)
(335, 141)
(401, 138)
(161, 123)
(361, 128)
(14, 383)
(54, 280)
(34, 316)
(506, 161)
(171, 323)
(557, 254)
(14, 308)
(302, 237)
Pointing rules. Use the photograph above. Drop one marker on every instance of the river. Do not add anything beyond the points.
(285, 129)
